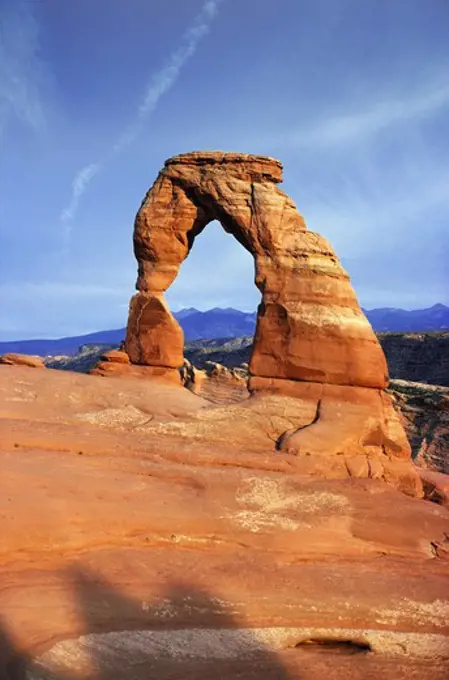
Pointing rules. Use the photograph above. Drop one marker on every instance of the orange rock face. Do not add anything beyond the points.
(310, 326)
(146, 533)
(116, 356)
(154, 337)
(12, 359)
(116, 364)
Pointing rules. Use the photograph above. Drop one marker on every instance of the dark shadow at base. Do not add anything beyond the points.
(12, 662)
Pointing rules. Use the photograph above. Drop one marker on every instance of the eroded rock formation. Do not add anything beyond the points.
(29, 360)
(310, 326)
(312, 339)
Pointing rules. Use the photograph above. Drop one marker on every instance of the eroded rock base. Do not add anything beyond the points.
(344, 431)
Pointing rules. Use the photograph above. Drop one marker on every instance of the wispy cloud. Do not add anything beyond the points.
(21, 69)
(79, 185)
(160, 83)
(355, 125)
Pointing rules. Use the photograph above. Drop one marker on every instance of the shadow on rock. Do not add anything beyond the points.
(13, 662)
(186, 633)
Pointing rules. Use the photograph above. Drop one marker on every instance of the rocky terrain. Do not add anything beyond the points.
(160, 536)
(278, 529)
(418, 357)
(425, 411)
(424, 408)
(83, 361)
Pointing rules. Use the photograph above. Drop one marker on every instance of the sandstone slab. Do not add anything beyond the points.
(116, 356)
(166, 525)
(13, 359)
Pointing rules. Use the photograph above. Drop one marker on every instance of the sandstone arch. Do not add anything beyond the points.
(310, 326)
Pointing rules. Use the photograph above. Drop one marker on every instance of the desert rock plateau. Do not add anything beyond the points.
(278, 532)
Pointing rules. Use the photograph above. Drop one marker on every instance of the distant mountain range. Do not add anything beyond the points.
(390, 319)
(67, 346)
(232, 323)
(216, 323)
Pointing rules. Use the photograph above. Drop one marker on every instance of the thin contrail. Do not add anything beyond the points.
(159, 84)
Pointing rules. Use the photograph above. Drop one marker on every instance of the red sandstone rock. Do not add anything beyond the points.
(310, 325)
(435, 485)
(346, 431)
(154, 337)
(217, 371)
(113, 369)
(220, 385)
(191, 377)
(12, 359)
(115, 356)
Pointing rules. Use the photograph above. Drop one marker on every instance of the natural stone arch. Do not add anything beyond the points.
(310, 326)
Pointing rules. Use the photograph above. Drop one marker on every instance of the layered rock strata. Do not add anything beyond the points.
(310, 326)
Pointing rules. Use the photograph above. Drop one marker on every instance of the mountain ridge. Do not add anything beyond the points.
(229, 322)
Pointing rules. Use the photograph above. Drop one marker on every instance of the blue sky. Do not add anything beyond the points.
(351, 95)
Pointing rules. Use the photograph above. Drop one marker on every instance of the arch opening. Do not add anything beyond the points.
(212, 212)
(214, 298)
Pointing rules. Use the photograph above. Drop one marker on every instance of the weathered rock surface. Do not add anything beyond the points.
(435, 487)
(112, 369)
(417, 357)
(116, 363)
(146, 534)
(423, 409)
(154, 337)
(115, 356)
(12, 359)
(221, 385)
(310, 325)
